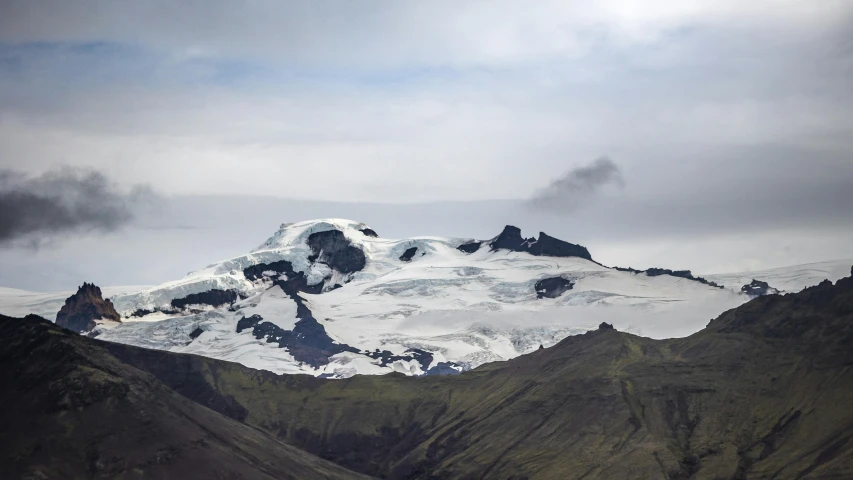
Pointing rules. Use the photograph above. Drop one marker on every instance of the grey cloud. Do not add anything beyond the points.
(577, 186)
(35, 210)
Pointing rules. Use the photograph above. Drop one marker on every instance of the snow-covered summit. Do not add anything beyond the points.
(333, 298)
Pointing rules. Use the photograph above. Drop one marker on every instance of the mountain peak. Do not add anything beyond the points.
(547, 246)
(84, 307)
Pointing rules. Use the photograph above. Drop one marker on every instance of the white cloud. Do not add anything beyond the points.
(394, 34)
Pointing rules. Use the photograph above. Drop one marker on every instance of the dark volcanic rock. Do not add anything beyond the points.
(213, 297)
(605, 326)
(141, 312)
(248, 322)
(308, 341)
(655, 272)
(196, 333)
(271, 270)
(757, 288)
(385, 357)
(546, 245)
(369, 232)
(469, 247)
(552, 287)
(408, 254)
(549, 246)
(509, 239)
(335, 250)
(84, 307)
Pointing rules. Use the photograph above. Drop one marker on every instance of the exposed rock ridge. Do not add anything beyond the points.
(547, 246)
(84, 307)
(757, 288)
(656, 272)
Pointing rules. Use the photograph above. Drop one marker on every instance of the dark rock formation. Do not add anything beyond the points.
(385, 357)
(757, 288)
(509, 239)
(369, 232)
(547, 246)
(445, 368)
(605, 326)
(268, 270)
(469, 247)
(552, 287)
(335, 250)
(84, 307)
(196, 333)
(655, 272)
(408, 254)
(308, 342)
(213, 297)
(141, 312)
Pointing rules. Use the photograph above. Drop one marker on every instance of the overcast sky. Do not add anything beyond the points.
(727, 125)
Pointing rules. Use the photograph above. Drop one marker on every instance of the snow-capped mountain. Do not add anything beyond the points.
(332, 298)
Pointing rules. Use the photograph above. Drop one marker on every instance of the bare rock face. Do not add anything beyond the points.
(552, 287)
(546, 246)
(757, 288)
(84, 307)
(335, 250)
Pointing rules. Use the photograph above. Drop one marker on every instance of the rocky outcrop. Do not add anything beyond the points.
(141, 312)
(308, 342)
(334, 249)
(409, 254)
(84, 307)
(547, 246)
(552, 287)
(605, 326)
(213, 297)
(469, 247)
(655, 272)
(757, 288)
(369, 232)
(386, 358)
(510, 239)
(271, 270)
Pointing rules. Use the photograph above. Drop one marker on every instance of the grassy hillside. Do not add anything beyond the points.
(72, 410)
(764, 392)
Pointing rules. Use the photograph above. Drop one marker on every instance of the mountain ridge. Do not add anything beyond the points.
(332, 298)
(763, 391)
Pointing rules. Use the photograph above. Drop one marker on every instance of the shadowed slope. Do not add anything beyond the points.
(764, 391)
(72, 410)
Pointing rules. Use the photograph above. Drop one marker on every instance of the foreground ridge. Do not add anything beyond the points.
(764, 391)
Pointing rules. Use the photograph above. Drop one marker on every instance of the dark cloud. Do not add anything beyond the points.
(35, 210)
(577, 186)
